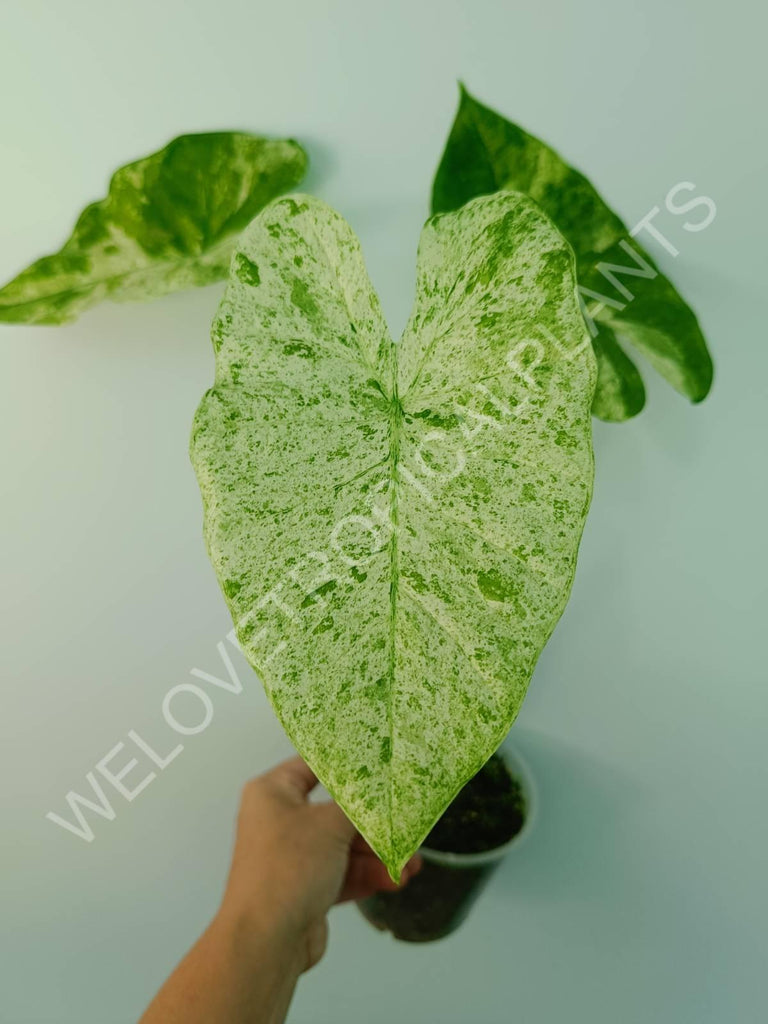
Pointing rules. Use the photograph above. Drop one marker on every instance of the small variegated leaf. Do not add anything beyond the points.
(623, 291)
(169, 221)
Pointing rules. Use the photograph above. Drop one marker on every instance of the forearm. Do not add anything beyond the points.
(237, 973)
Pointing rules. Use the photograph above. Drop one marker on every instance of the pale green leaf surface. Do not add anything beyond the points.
(169, 221)
(486, 152)
(395, 527)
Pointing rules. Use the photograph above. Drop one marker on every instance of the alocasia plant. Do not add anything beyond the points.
(169, 221)
(395, 526)
(486, 152)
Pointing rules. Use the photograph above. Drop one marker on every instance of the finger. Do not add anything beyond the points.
(361, 845)
(414, 865)
(335, 821)
(365, 876)
(294, 776)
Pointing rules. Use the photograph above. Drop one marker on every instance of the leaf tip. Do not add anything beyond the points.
(395, 865)
(708, 378)
(301, 152)
(465, 96)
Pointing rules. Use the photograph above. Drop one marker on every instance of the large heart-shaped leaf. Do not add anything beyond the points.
(395, 526)
(169, 221)
(625, 293)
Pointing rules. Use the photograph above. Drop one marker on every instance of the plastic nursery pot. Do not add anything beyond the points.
(438, 899)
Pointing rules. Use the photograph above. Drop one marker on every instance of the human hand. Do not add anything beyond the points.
(294, 859)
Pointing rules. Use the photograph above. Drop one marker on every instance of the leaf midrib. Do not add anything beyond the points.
(395, 433)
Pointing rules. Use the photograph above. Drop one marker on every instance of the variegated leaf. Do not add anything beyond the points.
(169, 221)
(395, 526)
(625, 295)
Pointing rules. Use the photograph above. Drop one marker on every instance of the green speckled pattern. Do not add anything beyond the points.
(169, 221)
(486, 152)
(395, 526)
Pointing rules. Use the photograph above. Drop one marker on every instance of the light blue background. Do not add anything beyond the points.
(641, 897)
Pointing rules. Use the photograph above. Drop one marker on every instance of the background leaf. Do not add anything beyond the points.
(485, 152)
(395, 527)
(169, 221)
(620, 393)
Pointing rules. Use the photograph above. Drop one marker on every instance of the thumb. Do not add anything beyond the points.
(335, 822)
